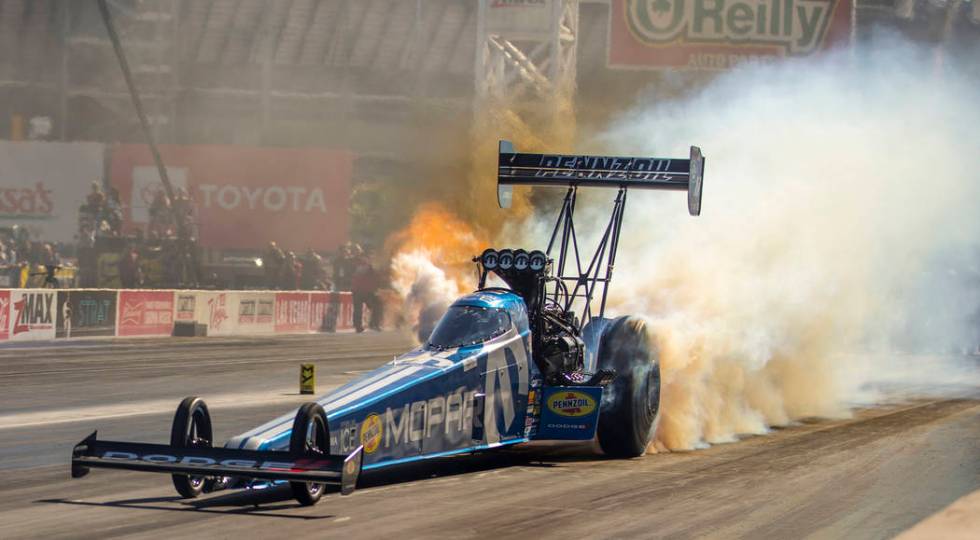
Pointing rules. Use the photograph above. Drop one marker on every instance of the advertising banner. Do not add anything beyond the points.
(245, 196)
(42, 184)
(292, 312)
(146, 313)
(256, 312)
(186, 309)
(5, 309)
(216, 310)
(83, 313)
(32, 314)
(332, 306)
(720, 34)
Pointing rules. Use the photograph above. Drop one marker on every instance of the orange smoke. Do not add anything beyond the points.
(431, 257)
(444, 238)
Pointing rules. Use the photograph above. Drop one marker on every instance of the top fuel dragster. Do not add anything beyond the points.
(536, 360)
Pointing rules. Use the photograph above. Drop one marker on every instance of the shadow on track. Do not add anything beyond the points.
(242, 503)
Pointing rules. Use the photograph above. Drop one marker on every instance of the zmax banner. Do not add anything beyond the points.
(32, 314)
(84, 313)
(720, 34)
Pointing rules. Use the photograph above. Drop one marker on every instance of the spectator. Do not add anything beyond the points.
(314, 277)
(343, 268)
(364, 288)
(291, 273)
(272, 263)
(23, 247)
(51, 262)
(183, 209)
(130, 273)
(161, 223)
(112, 212)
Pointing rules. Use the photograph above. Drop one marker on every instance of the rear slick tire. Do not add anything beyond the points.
(191, 429)
(310, 436)
(631, 403)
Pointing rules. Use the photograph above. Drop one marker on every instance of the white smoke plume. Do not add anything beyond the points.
(425, 289)
(841, 218)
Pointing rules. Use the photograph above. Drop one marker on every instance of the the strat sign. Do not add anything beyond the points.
(246, 196)
(719, 34)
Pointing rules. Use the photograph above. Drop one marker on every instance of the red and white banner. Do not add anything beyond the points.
(217, 313)
(145, 313)
(32, 314)
(320, 309)
(245, 196)
(42, 184)
(720, 34)
(4, 315)
(292, 312)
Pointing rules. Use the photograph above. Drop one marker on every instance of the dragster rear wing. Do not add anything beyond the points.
(268, 465)
(514, 168)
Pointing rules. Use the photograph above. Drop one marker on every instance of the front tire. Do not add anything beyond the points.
(631, 403)
(310, 436)
(191, 429)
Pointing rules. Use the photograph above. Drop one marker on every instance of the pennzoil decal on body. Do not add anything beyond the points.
(571, 403)
(371, 431)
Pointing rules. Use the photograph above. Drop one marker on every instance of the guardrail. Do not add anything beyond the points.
(43, 314)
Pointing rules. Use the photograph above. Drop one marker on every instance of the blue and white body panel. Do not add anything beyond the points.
(429, 403)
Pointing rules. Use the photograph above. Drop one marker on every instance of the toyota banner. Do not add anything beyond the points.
(245, 196)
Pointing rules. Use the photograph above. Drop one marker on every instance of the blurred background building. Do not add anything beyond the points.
(390, 82)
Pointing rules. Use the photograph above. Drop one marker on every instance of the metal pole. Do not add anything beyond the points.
(138, 105)
(480, 62)
(65, 48)
(267, 45)
(188, 257)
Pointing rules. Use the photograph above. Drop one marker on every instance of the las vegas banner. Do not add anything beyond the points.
(720, 34)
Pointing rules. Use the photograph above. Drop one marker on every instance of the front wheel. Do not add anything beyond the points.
(631, 403)
(191, 429)
(311, 437)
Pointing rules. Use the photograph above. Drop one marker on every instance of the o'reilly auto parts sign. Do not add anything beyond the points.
(720, 34)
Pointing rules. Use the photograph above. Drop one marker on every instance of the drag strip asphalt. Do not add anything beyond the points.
(869, 476)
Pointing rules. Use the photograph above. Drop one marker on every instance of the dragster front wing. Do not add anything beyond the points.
(259, 464)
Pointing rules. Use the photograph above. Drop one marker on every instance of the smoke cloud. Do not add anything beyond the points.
(841, 216)
(840, 233)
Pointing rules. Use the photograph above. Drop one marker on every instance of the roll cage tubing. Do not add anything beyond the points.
(585, 281)
(591, 282)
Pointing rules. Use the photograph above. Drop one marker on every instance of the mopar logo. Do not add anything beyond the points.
(798, 26)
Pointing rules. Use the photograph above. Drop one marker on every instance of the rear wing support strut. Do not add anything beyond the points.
(578, 288)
